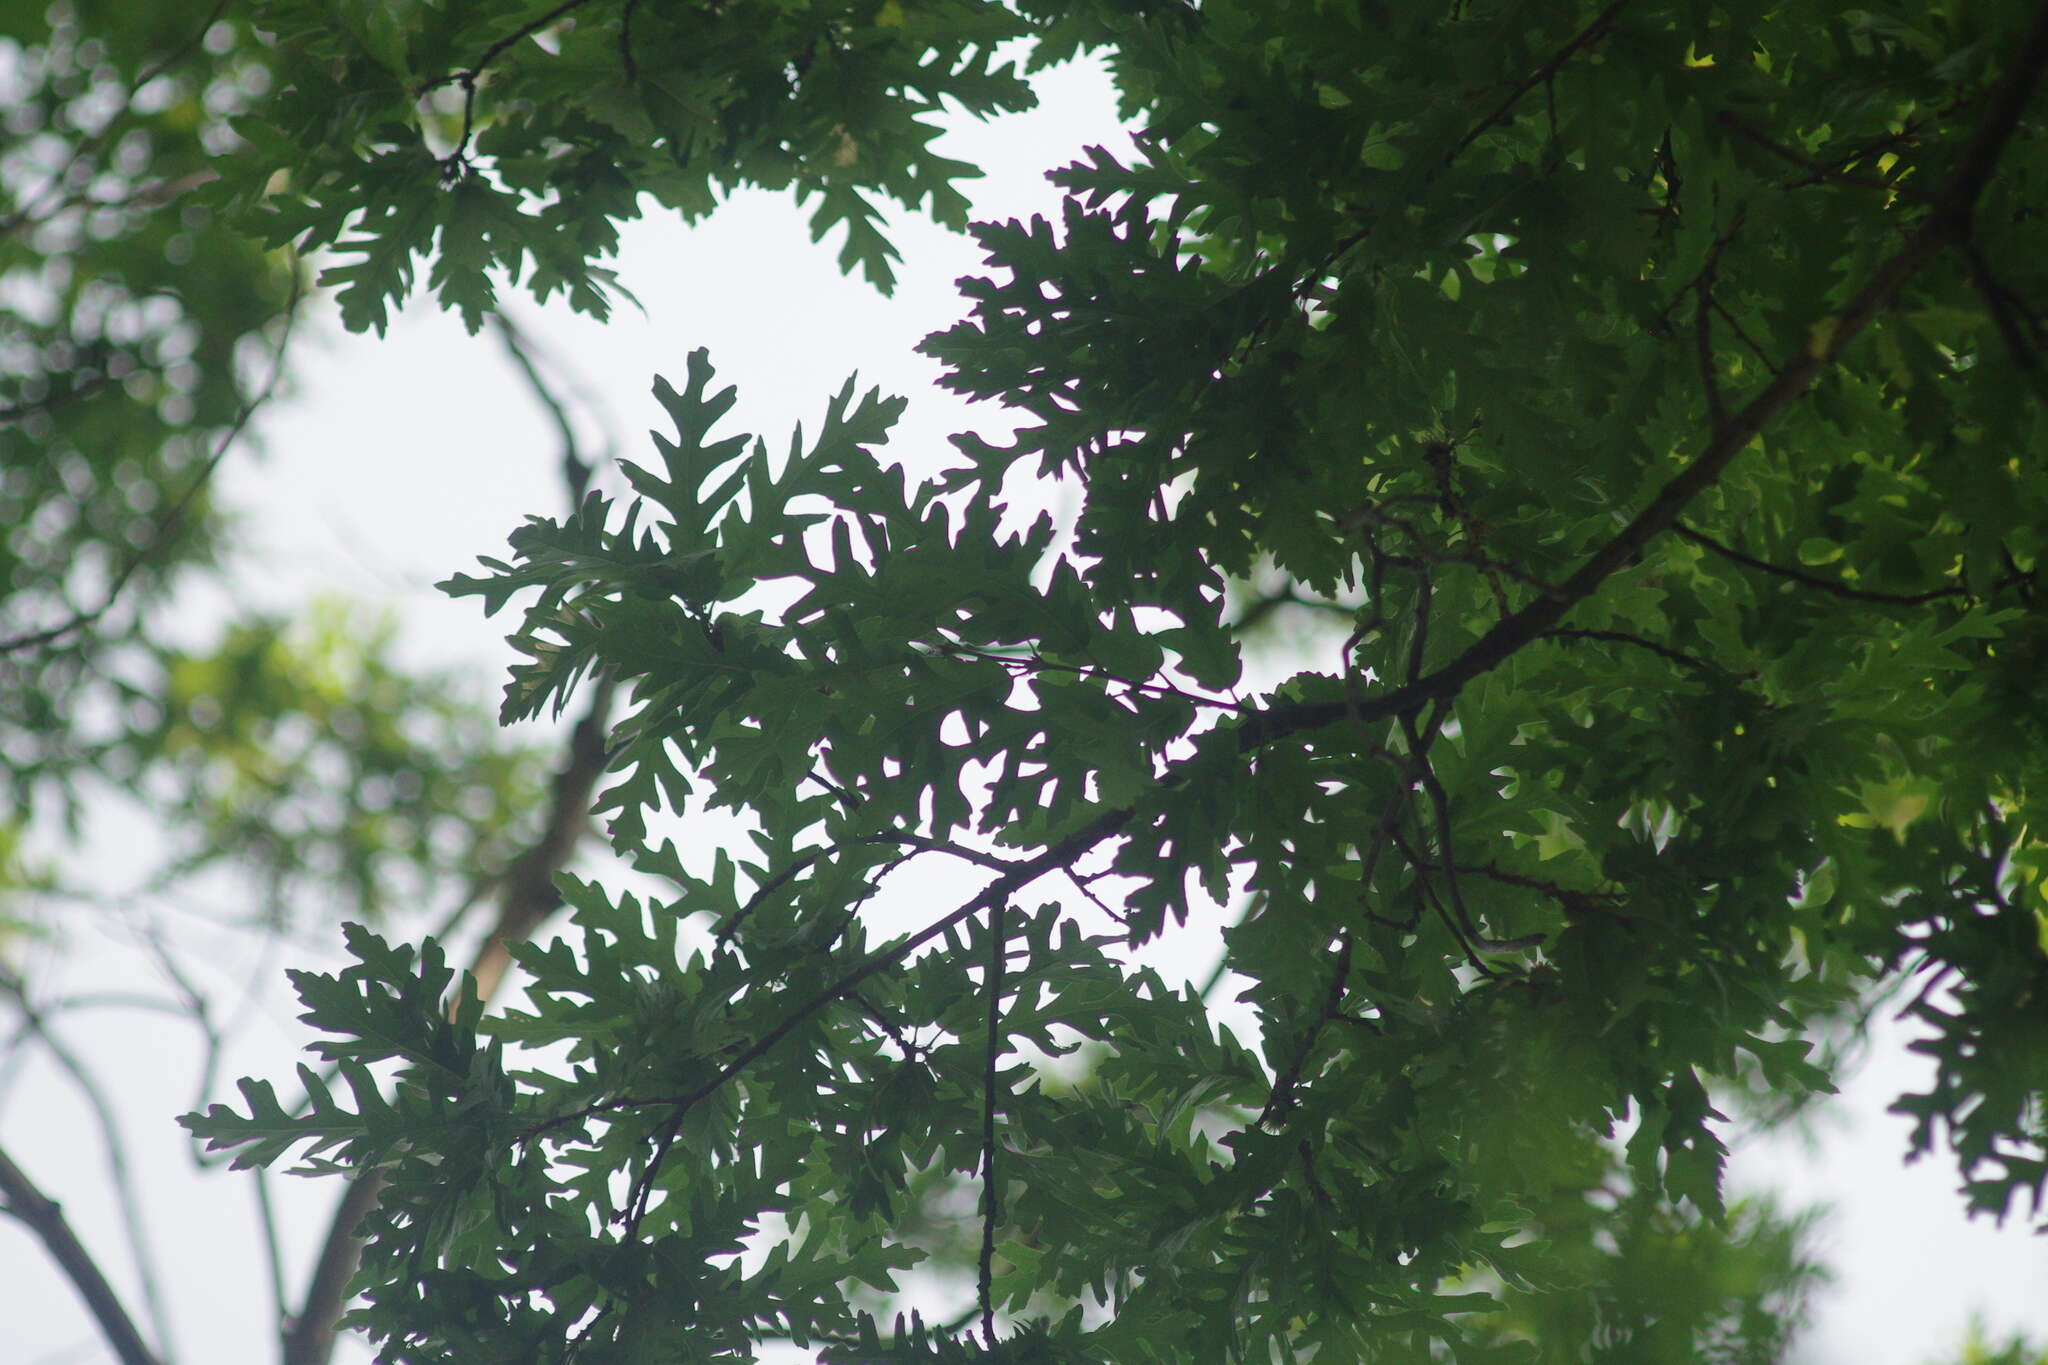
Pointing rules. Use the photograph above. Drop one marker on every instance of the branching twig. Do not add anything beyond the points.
(730, 925)
(1034, 663)
(1085, 885)
(467, 78)
(1264, 605)
(1607, 902)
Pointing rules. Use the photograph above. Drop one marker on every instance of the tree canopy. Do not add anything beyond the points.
(1650, 392)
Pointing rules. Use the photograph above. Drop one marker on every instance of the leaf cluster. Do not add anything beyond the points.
(1649, 386)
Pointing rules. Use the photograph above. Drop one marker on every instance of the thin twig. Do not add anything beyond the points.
(1264, 605)
(33, 206)
(731, 924)
(1703, 344)
(991, 1191)
(1023, 872)
(1735, 326)
(273, 1250)
(54, 399)
(468, 77)
(1085, 885)
(1622, 637)
(1281, 1097)
(575, 469)
(1591, 33)
(1573, 901)
(1826, 585)
(1820, 170)
(626, 62)
(1034, 663)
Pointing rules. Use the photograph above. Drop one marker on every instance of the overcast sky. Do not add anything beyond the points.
(397, 462)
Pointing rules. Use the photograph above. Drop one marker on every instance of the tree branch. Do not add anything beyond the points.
(1022, 873)
(576, 470)
(114, 1144)
(1826, 585)
(43, 1216)
(1281, 1099)
(1948, 225)
(530, 893)
(991, 1190)
(530, 897)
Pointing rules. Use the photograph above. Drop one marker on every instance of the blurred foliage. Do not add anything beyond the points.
(141, 329)
(133, 339)
(301, 751)
(2014, 1350)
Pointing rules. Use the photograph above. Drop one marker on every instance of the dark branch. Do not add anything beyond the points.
(1259, 608)
(42, 1216)
(2008, 313)
(309, 1339)
(36, 1020)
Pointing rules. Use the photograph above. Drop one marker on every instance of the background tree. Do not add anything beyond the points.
(1649, 390)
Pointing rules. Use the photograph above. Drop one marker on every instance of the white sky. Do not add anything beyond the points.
(399, 461)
